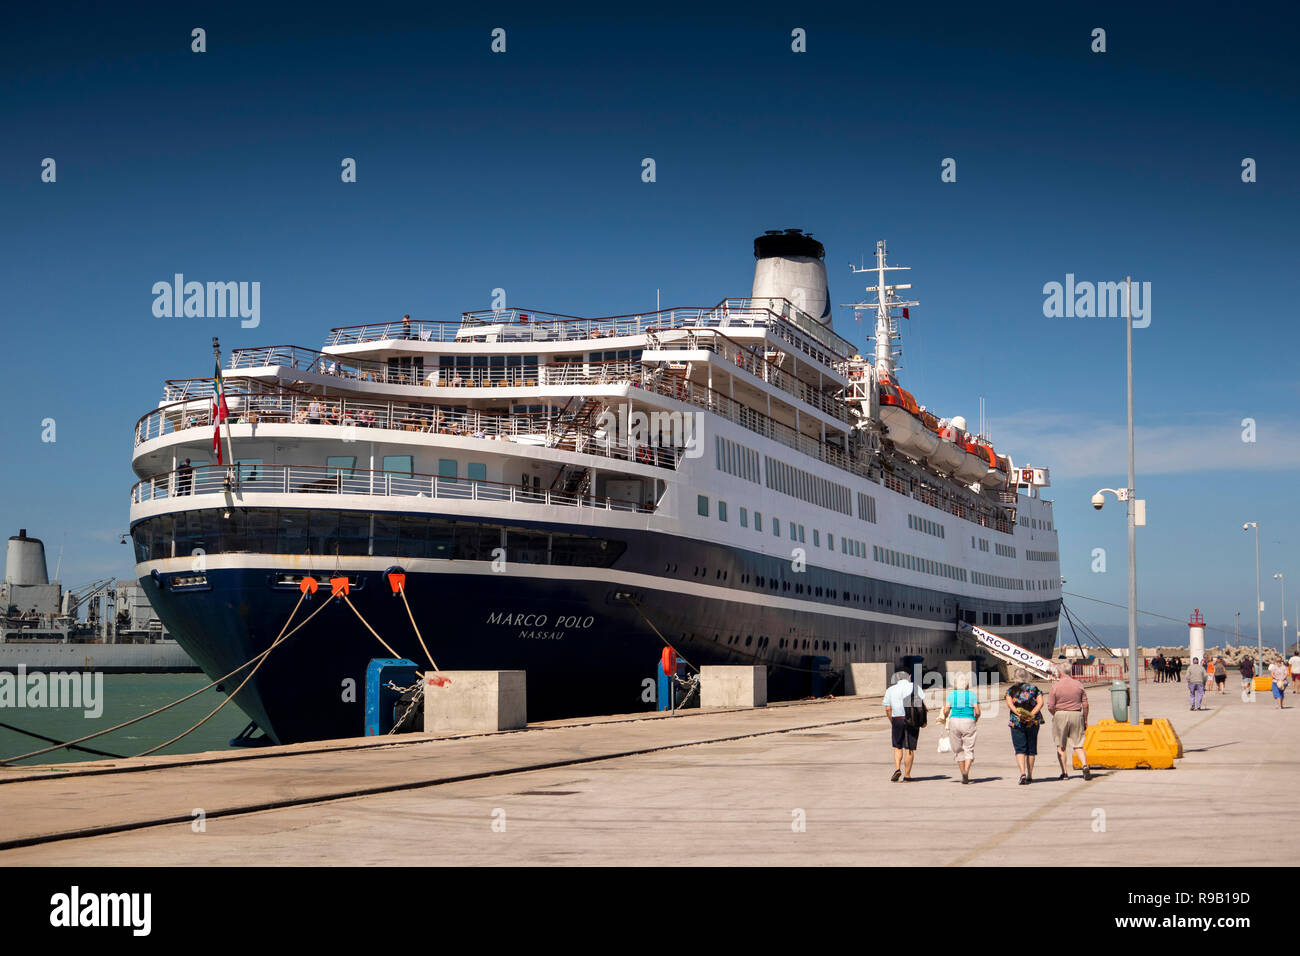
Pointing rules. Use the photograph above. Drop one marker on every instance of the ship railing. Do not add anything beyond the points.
(295, 408)
(761, 367)
(325, 480)
(532, 325)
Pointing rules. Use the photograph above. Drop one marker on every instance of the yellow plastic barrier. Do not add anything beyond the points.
(1263, 683)
(1151, 744)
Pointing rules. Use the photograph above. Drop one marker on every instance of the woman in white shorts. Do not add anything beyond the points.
(961, 709)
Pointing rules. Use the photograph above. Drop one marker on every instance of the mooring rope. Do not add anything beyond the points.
(401, 589)
(154, 712)
(279, 639)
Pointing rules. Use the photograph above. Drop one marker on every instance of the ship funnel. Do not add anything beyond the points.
(790, 267)
(25, 560)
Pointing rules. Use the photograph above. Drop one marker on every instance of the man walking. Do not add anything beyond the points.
(1067, 702)
(1195, 684)
(1247, 674)
(905, 708)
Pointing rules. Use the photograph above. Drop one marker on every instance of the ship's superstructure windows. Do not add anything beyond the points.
(448, 467)
(1042, 555)
(474, 471)
(925, 525)
(736, 459)
(722, 511)
(806, 486)
(1004, 550)
(702, 505)
(776, 527)
(866, 507)
(341, 464)
(758, 521)
(997, 581)
(912, 562)
(403, 464)
(744, 517)
(325, 534)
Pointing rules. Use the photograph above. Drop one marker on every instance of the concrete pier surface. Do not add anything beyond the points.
(793, 784)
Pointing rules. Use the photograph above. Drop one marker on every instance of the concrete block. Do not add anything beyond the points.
(950, 668)
(475, 702)
(866, 680)
(722, 686)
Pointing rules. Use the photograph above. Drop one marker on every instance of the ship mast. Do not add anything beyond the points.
(885, 303)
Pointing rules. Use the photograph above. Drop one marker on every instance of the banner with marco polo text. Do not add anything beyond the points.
(1014, 651)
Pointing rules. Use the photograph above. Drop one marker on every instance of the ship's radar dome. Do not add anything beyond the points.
(790, 267)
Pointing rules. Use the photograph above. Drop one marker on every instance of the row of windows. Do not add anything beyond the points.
(866, 507)
(997, 581)
(798, 533)
(327, 533)
(917, 523)
(981, 543)
(914, 563)
(1042, 555)
(735, 459)
(854, 547)
(1005, 550)
(1034, 523)
(806, 486)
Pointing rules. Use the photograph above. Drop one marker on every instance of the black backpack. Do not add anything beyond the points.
(914, 711)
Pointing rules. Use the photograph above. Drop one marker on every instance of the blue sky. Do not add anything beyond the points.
(523, 171)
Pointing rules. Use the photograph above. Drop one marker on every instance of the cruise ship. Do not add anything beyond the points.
(566, 495)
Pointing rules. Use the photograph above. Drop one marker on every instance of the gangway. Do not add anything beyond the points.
(1009, 653)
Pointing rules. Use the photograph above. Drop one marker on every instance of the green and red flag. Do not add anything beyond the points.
(220, 412)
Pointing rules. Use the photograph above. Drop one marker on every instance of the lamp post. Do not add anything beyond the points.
(1136, 515)
(1281, 577)
(1259, 604)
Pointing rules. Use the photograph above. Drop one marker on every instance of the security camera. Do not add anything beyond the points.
(1246, 526)
(1098, 500)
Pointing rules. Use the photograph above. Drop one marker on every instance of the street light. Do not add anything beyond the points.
(1281, 577)
(1098, 502)
(1259, 604)
(1136, 513)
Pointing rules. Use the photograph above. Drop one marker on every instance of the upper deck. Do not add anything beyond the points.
(530, 327)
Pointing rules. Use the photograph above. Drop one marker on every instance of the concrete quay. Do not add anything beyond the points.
(797, 784)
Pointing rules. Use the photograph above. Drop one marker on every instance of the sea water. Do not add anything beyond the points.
(126, 696)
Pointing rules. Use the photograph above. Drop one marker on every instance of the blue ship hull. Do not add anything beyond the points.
(586, 648)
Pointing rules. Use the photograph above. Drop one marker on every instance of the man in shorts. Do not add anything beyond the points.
(1067, 702)
(904, 733)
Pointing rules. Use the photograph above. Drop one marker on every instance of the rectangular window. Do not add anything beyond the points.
(341, 464)
(758, 521)
(722, 511)
(794, 532)
(802, 539)
(447, 467)
(776, 527)
(744, 517)
(817, 542)
(702, 505)
(476, 471)
(399, 463)
(830, 540)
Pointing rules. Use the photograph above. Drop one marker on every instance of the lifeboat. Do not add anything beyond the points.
(948, 453)
(974, 463)
(903, 422)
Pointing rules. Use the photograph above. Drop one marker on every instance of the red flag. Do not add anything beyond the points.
(220, 412)
(907, 314)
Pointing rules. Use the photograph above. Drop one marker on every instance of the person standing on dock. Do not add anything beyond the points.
(1220, 673)
(1067, 702)
(1277, 671)
(1195, 685)
(1178, 669)
(1247, 673)
(961, 710)
(1025, 701)
(902, 703)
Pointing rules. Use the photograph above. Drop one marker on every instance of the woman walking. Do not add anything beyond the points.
(1025, 701)
(961, 710)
